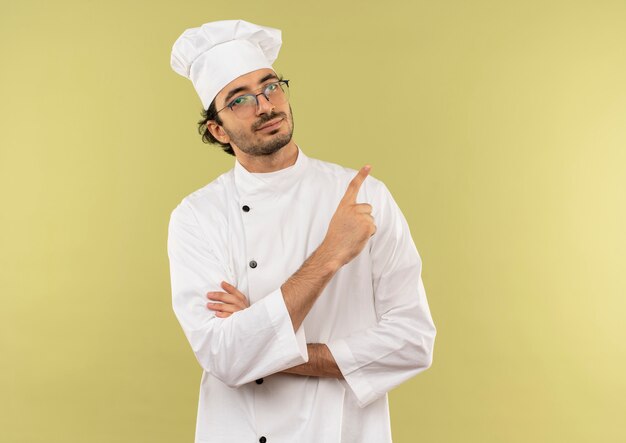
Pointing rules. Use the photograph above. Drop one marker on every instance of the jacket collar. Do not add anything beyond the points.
(275, 183)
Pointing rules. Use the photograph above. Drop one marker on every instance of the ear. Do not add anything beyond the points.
(217, 131)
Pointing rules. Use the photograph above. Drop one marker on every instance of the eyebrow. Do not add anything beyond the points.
(244, 88)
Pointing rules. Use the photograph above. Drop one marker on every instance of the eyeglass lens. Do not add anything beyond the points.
(245, 106)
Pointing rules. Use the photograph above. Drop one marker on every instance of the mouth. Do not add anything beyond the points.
(273, 124)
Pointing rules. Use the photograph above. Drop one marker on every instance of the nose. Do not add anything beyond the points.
(264, 106)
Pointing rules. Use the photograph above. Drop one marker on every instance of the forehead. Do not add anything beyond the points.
(242, 84)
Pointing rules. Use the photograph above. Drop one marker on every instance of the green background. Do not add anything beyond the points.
(498, 126)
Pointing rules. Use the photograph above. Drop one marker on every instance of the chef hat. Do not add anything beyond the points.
(216, 53)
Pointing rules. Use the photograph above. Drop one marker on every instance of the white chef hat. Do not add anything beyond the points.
(216, 53)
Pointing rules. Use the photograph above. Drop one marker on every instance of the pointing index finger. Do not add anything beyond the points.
(355, 184)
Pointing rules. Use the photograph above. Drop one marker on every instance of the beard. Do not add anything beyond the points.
(248, 143)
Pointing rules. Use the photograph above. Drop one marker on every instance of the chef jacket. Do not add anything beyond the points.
(254, 230)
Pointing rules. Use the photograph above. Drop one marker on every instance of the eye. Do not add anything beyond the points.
(271, 87)
(242, 101)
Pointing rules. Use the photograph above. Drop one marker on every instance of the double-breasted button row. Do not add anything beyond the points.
(262, 440)
(246, 208)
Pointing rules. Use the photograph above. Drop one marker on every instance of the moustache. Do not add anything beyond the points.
(266, 118)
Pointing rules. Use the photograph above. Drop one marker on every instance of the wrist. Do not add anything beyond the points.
(328, 258)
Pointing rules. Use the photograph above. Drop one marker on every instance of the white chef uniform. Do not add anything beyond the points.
(254, 230)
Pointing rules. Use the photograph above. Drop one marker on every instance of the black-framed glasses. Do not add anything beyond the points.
(244, 106)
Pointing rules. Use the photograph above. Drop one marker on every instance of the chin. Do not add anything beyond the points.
(274, 146)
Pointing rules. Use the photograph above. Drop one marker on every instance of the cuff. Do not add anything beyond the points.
(292, 345)
(358, 384)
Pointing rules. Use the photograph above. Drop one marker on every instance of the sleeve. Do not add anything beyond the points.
(375, 360)
(246, 346)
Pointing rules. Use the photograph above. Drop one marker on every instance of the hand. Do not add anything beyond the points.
(352, 224)
(232, 301)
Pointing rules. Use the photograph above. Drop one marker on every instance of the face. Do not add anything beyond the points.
(263, 133)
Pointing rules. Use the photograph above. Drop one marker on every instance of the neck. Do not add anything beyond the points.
(281, 159)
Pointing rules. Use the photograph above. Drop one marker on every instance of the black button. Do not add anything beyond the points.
(259, 381)
(262, 440)
(252, 264)
(245, 208)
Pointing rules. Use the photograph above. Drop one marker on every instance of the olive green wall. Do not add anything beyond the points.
(498, 126)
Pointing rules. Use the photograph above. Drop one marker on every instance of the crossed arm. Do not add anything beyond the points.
(372, 361)
(321, 362)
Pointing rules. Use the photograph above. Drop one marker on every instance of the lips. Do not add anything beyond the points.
(272, 124)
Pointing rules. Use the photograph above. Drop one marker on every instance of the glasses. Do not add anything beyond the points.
(245, 106)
